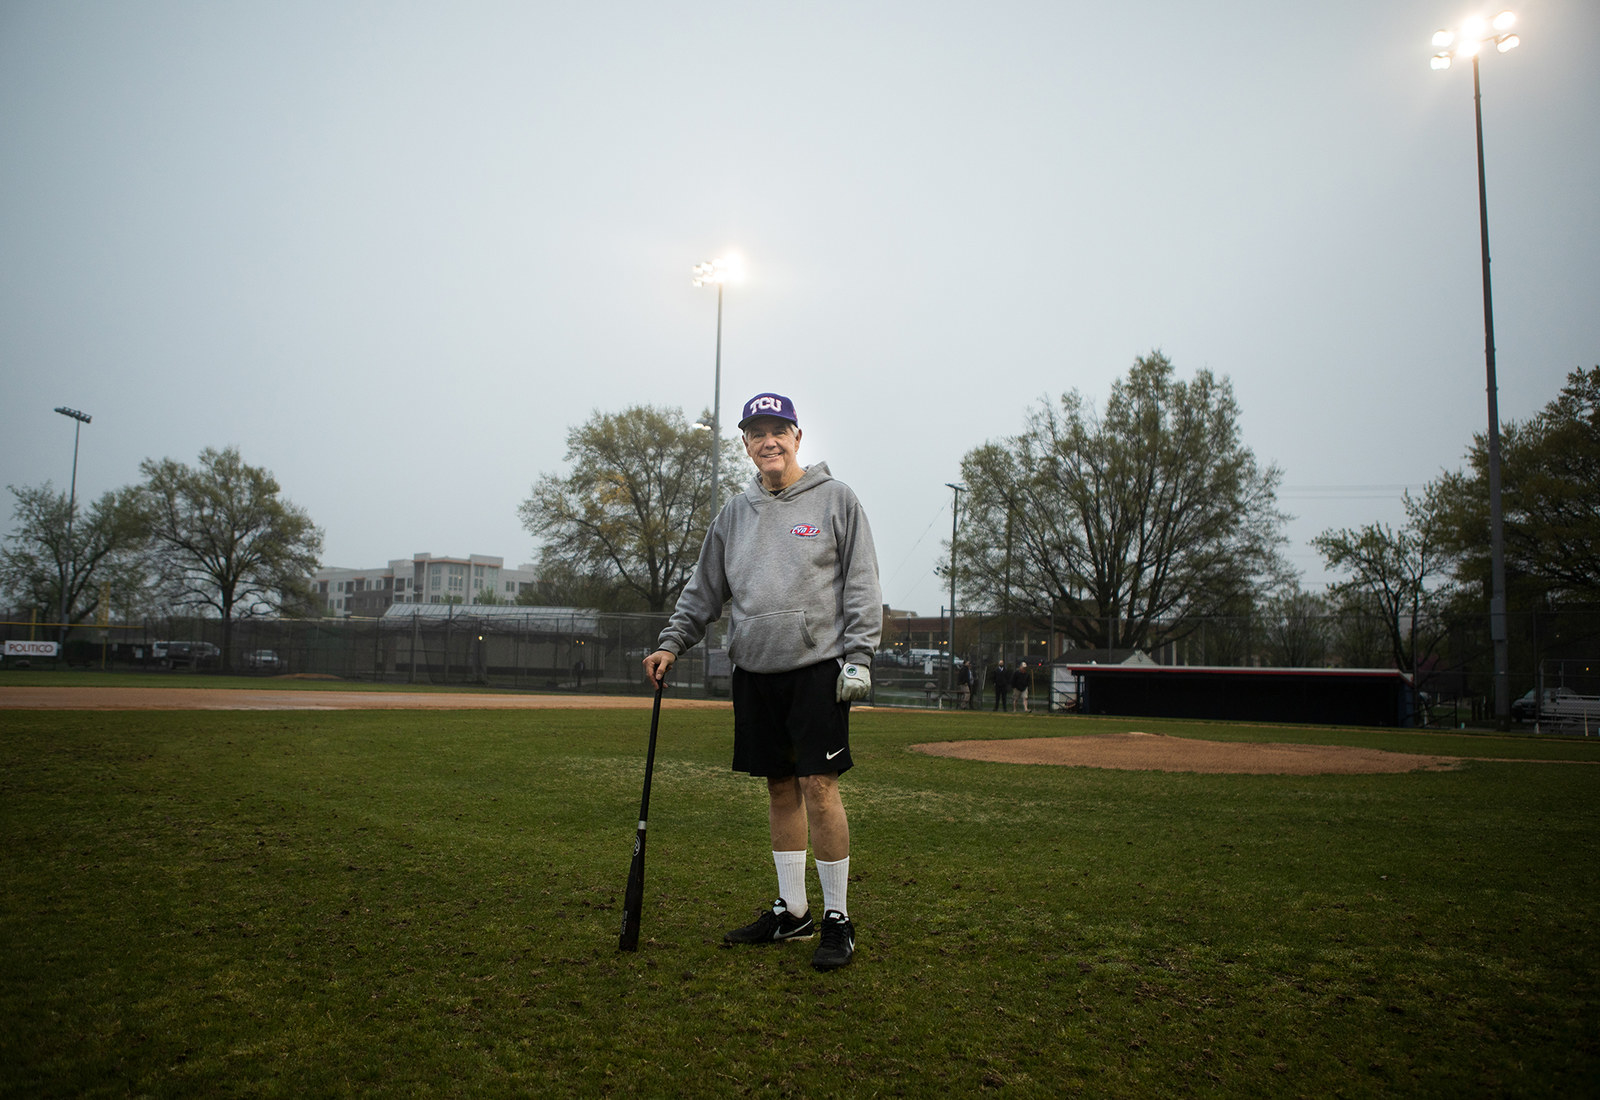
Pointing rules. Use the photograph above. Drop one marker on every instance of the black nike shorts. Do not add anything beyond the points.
(787, 723)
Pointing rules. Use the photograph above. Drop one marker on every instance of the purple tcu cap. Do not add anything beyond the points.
(769, 404)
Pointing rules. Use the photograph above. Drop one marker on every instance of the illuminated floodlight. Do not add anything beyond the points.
(1476, 34)
(725, 269)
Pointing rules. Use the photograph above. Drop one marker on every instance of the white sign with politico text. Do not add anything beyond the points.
(31, 649)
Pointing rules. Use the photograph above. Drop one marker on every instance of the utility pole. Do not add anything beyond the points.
(955, 513)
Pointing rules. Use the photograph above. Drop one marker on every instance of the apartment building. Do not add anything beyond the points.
(422, 578)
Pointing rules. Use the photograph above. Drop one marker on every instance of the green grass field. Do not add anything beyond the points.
(390, 903)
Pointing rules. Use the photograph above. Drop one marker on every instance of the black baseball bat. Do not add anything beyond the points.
(633, 899)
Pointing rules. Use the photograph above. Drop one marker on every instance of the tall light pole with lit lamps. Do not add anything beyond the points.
(1473, 38)
(82, 418)
(716, 273)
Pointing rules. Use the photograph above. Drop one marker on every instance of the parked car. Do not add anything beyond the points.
(191, 655)
(264, 659)
(1526, 708)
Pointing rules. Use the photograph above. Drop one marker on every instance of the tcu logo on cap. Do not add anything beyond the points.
(769, 404)
(805, 530)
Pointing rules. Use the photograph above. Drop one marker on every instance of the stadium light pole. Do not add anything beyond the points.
(82, 418)
(1474, 37)
(955, 513)
(716, 273)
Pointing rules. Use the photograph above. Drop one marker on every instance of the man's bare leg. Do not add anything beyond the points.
(812, 805)
(830, 838)
(808, 804)
(824, 813)
(786, 814)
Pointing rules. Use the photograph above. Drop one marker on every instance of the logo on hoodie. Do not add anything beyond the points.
(805, 531)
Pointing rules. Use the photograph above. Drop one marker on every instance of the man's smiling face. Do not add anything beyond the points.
(773, 444)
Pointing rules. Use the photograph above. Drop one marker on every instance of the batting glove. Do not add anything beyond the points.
(855, 682)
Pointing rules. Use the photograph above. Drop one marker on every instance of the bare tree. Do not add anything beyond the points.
(103, 558)
(1126, 529)
(630, 517)
(1404, 573)
(1297, 628)
(227, 540)
(1359, 637)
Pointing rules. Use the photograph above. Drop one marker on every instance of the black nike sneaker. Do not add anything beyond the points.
(838, 942)
(773, 926)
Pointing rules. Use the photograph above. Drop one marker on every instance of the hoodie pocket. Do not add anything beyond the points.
(774, 642)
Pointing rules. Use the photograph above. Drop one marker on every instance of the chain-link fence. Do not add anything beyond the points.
(577, 650)
(1454, 680)
(537, 648)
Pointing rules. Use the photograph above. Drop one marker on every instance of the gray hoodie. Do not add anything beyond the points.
(801, 571)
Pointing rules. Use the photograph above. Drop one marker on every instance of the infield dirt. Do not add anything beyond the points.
(1134, 751)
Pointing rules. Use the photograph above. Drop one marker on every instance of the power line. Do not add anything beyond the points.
(1347, 492)
(916, 544)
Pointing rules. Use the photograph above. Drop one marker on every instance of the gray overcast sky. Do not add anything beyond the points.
(393, 251)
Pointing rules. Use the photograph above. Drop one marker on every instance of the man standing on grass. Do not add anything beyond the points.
(1021, 681)
(794, 554)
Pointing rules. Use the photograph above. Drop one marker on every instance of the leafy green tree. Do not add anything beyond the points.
(1550, 500)
(102, 558)
(625, 526)
(227, 540)
(1126, 529)
(1405, 575)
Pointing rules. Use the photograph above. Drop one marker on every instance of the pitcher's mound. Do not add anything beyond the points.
(1159, 752)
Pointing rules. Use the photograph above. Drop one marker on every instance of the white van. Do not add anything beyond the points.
(937, 657)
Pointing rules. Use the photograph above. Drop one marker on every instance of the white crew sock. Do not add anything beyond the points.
(792, 880)
(835, 878)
